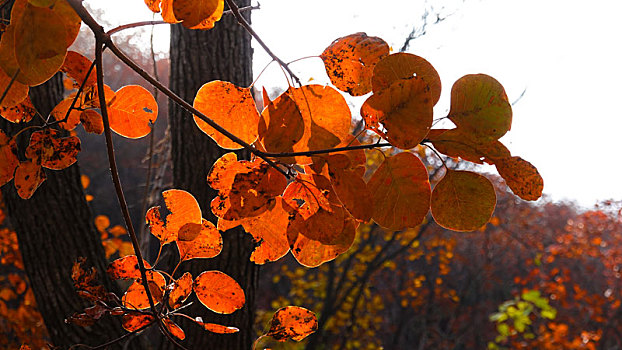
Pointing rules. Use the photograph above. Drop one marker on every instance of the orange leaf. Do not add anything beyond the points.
(60, 111)
(92, 121)
(174, 329)
(102, 222)
(136, 297)
(292, 322)
(217, 328)
(350, 61)
(455, 143)
(312, 190)
(404, 109)
(87, 281)
(281, 125)
(51, 150)
(326, 117)
(16, 94)
(480, 107)
(231, 107)
(134, 320)
(196, 12)
(158, 228)
(76, 66)
(463, 201)
(180, 291)
(28, 177)
(269, 231)
(132, 111)
(20, 113)
(403, 66)
(40, 44)
(312, 253)
(350, 188)
(184, 209)
(522, 177)
(401, 192)
(199, 241)
(8, 158)
(218, 292)
(253, 187)
(125, 268)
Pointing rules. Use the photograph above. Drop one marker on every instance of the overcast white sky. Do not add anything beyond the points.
(565, 54)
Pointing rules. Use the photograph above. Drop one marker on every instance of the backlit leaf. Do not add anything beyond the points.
(76, 66)
(183, 208)
(16, 94)
(281, 125)
(133, 320)
(217, 328)
(198, 241)
(40, 46)
(136, 297)
(28, 177)
(401, 192)
(455, 143)
(180, 290)
(350, 61)
(158, 227)
(54, 152)
(231, 107)
(480, 107)
(125, 268)
(326, 117)
(218, 292)
(174, 329)
(92, 121)
(60, 111)
(193, 12)
(404, 109)
(132, 111)
(269, 231)
(403, 66)
(463, 201)
(351, 189)
(20, 113)
(312, 253)
(8, 158)
(292, 322)
(522, 177)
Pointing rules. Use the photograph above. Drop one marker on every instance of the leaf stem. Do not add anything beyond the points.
(325, 151)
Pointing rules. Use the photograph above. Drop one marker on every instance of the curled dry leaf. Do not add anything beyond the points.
(404, 109)
(218, 292)
(231, 107)
(522, 177)
(292, 322)
(132, 111)
(350, 61)
(463, 201)
(401, 192)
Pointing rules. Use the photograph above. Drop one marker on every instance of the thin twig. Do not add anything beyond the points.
(114, 170)
(325, 151)
(112, 342)
(242, 21)
(8, 87)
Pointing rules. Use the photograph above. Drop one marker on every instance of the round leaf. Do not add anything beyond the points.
(232, 107)
(463, 201)
(401, 192)
(219, 292)
(292, 322)
(132, 111)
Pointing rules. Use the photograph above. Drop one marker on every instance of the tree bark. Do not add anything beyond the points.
(222, 53)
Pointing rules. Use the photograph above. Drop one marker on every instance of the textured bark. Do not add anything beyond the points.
(222, 53)
(54, 228)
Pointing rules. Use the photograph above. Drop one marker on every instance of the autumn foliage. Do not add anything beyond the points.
(311, 188)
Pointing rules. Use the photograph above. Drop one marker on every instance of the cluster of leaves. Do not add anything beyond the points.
(515, 316)
(306, 190)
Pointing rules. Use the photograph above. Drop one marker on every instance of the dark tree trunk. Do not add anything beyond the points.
(222, 53)
(54, 228)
